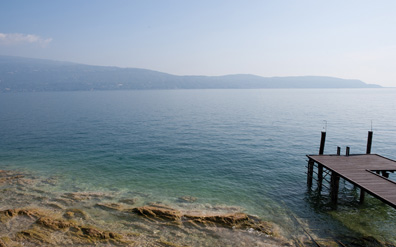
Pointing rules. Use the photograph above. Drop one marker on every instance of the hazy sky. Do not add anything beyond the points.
(352, 39)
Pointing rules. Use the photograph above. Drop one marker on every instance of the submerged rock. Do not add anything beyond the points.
(54, 224)
(11, 177)
(158, 212)
(83, 196)
(34, 236)
(129, 201)
(229, 220)
(94, 233)
(111, 206)
(62, 219)
(75, 213)
(233, 220)
(63, 201)
(6, 241)
(54, 205)
(364, 241)
(45, 227)
(189, 199)
(10, 213)
(50, 181)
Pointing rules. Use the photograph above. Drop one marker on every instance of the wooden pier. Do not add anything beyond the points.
(368, 172)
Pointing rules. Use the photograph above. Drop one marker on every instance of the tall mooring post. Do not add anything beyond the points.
(322, 142)
(368, 151)
(369, 141)
(320, 167)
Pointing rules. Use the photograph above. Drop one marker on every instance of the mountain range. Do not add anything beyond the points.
(18, 74)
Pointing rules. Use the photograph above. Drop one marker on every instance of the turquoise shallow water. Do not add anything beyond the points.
(243, 148)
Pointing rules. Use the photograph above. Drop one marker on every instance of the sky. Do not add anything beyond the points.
(353, 39)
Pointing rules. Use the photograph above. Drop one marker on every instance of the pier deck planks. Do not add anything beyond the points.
(356, 169)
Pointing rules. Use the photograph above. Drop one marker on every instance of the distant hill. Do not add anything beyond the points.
(19, 74)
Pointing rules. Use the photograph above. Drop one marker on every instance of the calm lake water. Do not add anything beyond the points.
(242, 148)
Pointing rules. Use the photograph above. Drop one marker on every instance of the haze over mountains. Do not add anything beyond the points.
(19, 74)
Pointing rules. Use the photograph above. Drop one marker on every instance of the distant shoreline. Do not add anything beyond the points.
(19, 74)
(187, 89)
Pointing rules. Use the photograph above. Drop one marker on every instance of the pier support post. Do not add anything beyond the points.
(310, 173)
(347, 151)
(320, 177)
(338, 150)
(322, 142)
(369, 141)
(334, 185)
(362, 194)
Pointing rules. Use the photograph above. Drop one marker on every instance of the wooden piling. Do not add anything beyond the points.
(347, 151)
(310, 173)
(334, 185)
(320, 177)
(320, 167)
(369, 141)
(362, 194)
(322, 142)
(338, 150)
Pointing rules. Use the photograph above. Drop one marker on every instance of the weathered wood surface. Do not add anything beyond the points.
(356, 169)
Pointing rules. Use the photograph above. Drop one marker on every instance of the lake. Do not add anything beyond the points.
(239, 149)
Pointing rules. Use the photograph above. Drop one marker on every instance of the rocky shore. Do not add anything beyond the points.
(31, 214)
(40, 227)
